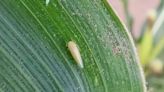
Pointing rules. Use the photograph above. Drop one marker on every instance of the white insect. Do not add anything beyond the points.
(47, 2)
(73, 48)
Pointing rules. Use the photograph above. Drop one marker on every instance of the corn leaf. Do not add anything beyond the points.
(33, 48)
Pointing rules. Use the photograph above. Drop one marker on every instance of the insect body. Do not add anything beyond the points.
(73, 48)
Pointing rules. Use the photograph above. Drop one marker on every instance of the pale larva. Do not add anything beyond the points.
(73, 48)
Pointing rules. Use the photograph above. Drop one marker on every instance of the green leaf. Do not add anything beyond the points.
(33, 48)
(158, 32)
(145, 47)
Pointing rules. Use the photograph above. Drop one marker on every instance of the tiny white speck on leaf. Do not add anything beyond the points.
(47, 2)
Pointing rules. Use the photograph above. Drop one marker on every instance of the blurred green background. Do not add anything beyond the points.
(145, 21)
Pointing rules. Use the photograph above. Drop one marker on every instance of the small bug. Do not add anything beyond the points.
(73, 48)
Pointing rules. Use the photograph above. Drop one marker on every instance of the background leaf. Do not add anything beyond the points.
(155, 82)
(158, 30)
(35, 58)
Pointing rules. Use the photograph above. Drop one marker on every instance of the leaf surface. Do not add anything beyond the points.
(34, 54)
